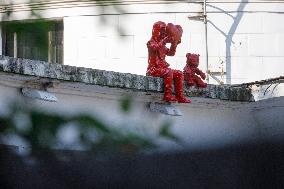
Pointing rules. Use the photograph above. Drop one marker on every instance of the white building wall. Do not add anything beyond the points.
(250, 39)
(245, 39)
(1, 51)
(98, 46)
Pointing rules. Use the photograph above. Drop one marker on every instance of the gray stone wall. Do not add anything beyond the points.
(116, 79)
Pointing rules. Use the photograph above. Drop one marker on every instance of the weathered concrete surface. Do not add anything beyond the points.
(266, 89)
(116, 79)
(206, 122)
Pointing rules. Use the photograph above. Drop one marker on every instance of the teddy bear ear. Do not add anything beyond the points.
(188, 55)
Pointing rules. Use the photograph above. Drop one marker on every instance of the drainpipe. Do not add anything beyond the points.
(15, 46)
(1, 39)
(206, 40)
(203, 18)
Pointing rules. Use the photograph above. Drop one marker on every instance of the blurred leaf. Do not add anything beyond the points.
(86, 120)
(167, 133)
(125, 103)
(5, 124)
(45, 132)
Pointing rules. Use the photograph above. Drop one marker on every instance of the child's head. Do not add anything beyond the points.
(159, 30)
(192, 59)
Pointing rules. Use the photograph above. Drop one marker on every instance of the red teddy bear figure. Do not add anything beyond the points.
(191, 71)
(158, 67)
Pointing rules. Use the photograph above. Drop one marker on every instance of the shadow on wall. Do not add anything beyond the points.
(229, 35)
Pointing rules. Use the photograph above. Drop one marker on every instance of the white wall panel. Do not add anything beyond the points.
(239, 45)
(273, 67)
(120, 47)
(140, 45)
(273, 23)
(246, 69)
(0, 40)
(239, 33)
(263, 45)
(135, 24)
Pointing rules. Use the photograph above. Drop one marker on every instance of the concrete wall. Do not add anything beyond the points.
(226, 126)
(0, 40)
(245, 38)
(206, 123)
(218, 115)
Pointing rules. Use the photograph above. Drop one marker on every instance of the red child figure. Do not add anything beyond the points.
(157, 65)
(191, 71)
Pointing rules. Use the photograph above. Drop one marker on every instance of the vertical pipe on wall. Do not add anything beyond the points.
(206, 40)
(49, 47)
(1, 41)
(15, 45)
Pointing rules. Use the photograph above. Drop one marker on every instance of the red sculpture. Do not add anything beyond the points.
(157, 65)
(191, 71)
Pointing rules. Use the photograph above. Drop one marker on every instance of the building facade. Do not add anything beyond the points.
(245, 39)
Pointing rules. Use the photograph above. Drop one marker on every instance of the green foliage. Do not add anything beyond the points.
(125, 103)
(165, 131)
(43, 130)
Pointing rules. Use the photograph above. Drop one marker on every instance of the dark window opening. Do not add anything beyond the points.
(39, 40)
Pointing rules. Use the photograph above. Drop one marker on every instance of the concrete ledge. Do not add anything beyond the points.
(116, 80)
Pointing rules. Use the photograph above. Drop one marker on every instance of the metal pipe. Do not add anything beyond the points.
(204, 18)
(15, 46)
(206, 40)
(1, 40)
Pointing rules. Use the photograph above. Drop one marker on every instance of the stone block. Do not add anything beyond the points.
(113, 79)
